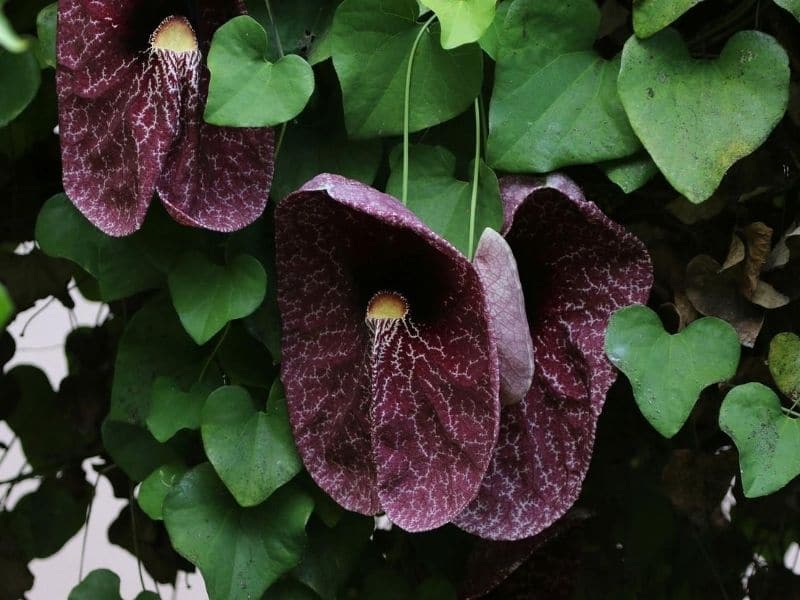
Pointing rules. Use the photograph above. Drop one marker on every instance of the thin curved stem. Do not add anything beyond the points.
(279, 45)
(135, 536)
(407, 106)
(274, 29)
(476, 171)
(86, 528)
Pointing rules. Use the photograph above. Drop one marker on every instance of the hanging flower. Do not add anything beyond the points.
(576, 268)
(132, 87)
(389, 363)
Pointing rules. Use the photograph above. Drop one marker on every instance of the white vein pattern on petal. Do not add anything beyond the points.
(545, 442)
(307, 324)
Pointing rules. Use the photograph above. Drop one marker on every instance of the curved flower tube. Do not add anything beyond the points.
(576, 267)
(132, 87)
(389, 363)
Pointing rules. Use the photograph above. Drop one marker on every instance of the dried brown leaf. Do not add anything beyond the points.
(716, 293)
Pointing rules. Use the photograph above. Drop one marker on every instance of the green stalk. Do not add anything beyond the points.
(407, 107)
(476, 170)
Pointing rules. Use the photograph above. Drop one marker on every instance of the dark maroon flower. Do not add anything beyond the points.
(389, 363)
(132, 87)
(576, 267)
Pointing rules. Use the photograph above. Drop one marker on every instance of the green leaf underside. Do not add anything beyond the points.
(371, 42)
(207, 296)
(441, 200)
(239, 551)
(462, 21)
(696, 118)
(156, 486)
(784, 364)
(668, 372)
(253, 452)
(768, 441)
(246, 90)
(555, 99)
(630, 173)
(20, 78)
(651, 16)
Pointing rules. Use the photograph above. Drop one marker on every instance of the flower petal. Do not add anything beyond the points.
(92, 47)
(497, 268)
(131, 123)
(408, 422)
(216, 177)
(577, 267)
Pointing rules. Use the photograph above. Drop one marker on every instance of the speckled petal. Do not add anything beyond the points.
(401, 418)
(497, 268)
(216, 177)
(577, 267)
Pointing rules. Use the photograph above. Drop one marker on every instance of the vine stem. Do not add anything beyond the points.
(274, 28)
(214, 352)
(407, 105)
(278, 43)
(476, 171)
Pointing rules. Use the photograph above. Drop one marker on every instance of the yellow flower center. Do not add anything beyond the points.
(387, 306)
(174, 34)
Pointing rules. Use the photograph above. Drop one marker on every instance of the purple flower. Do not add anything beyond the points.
(389, 362)
(576, 268)
(132, 87)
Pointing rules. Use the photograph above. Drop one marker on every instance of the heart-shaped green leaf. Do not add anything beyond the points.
(793, 6)
(20, 78)
(768, 441)
(240, 551)
(207, 296)
(555, 99)
(668, 372)
(156, 487)
(441, 200)
(118, 264)
(651, 16)
(103, 584)
(463, 21)
(696, 118)
(253, 452)
(172, 409)
(371, 43)
(784, 364)
(100, 584)
(153, 345)
(6, 307)
(246, 90)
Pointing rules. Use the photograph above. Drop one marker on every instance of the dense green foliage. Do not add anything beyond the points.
(680, 118)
